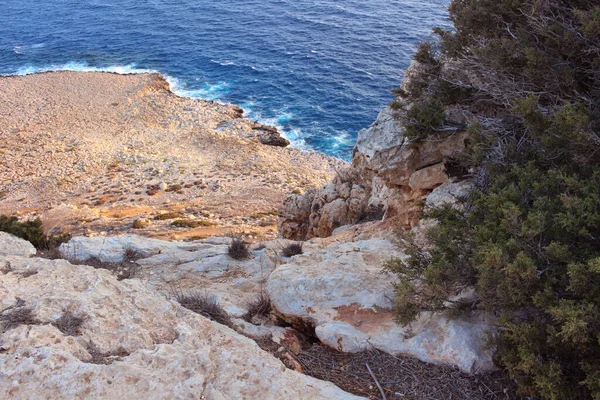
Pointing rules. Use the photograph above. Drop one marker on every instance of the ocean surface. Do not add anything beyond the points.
(320, 70)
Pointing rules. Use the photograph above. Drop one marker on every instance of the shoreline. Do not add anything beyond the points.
(105, 149)
(174, 87)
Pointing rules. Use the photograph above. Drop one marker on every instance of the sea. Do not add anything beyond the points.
(319, 70)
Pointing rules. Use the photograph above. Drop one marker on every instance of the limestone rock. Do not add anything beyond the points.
(13, 246)
(113, 248)
(394, 174)
(342, 292)
(448, 193)
(202, 265)
(318, 213)
(134, 343)
(428, 178)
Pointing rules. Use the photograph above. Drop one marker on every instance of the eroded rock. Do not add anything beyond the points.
(13, 246)
(341, 291)
(134, 343)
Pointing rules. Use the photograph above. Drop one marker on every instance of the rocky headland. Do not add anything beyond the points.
(100, 153)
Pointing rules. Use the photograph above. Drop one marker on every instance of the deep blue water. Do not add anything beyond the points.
(319, 69)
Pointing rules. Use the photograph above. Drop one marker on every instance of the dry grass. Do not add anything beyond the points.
(205, 305)
(104, 358)
(260, 306)
(292, 249)
(122, 270)
(400, 377)
(16, 315)
(70, 324)
(238, 249)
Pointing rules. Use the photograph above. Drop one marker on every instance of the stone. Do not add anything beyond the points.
(13, 246)
(202, 265)
(162, 186)
(134, 343)
(428, 178)
(342, 291)
(448, 194)
(273, 139)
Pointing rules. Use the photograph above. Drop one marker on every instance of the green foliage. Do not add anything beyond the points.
(32, 231)
(424, 120)
(528, 238)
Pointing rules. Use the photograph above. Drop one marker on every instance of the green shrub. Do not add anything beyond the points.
(424, 120)
(32, 231)
(528, 237)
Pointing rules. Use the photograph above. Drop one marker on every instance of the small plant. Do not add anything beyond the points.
(169, 215)
(69, 323)
(238, 249)
(205, 305)
(260, 306)
(187, 223)
(292, 249)
(17, 315)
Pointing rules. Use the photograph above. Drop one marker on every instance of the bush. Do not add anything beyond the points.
(424, 120)
(238, 249)
(205, 305)
(528, 237)
(292, 249)
(260, 306)
(32, 231)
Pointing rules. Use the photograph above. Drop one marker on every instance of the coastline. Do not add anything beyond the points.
(176, 88)
(102, 142)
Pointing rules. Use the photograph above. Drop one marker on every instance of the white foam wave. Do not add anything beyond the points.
(223, 63)
(81, 66)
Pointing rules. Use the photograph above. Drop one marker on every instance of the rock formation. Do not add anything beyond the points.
(133, 342)
(389, 178)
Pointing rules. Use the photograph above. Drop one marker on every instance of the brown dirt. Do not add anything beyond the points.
(87, 152)
(400, 377)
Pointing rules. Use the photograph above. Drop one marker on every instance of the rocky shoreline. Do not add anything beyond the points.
(92, 153)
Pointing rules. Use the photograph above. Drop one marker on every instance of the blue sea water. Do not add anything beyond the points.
(320, 70)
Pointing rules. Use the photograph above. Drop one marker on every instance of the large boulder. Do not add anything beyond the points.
(133, 343)
(341, 292)
(13, 246)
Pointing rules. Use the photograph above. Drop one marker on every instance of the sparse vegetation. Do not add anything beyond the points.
(260, 306)
(168, 215)
(126, 269)
(205, 305)
(192, 223)
(292, 249)
(69, 323)
(104, 358)
(238, 249)
(16, 315)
